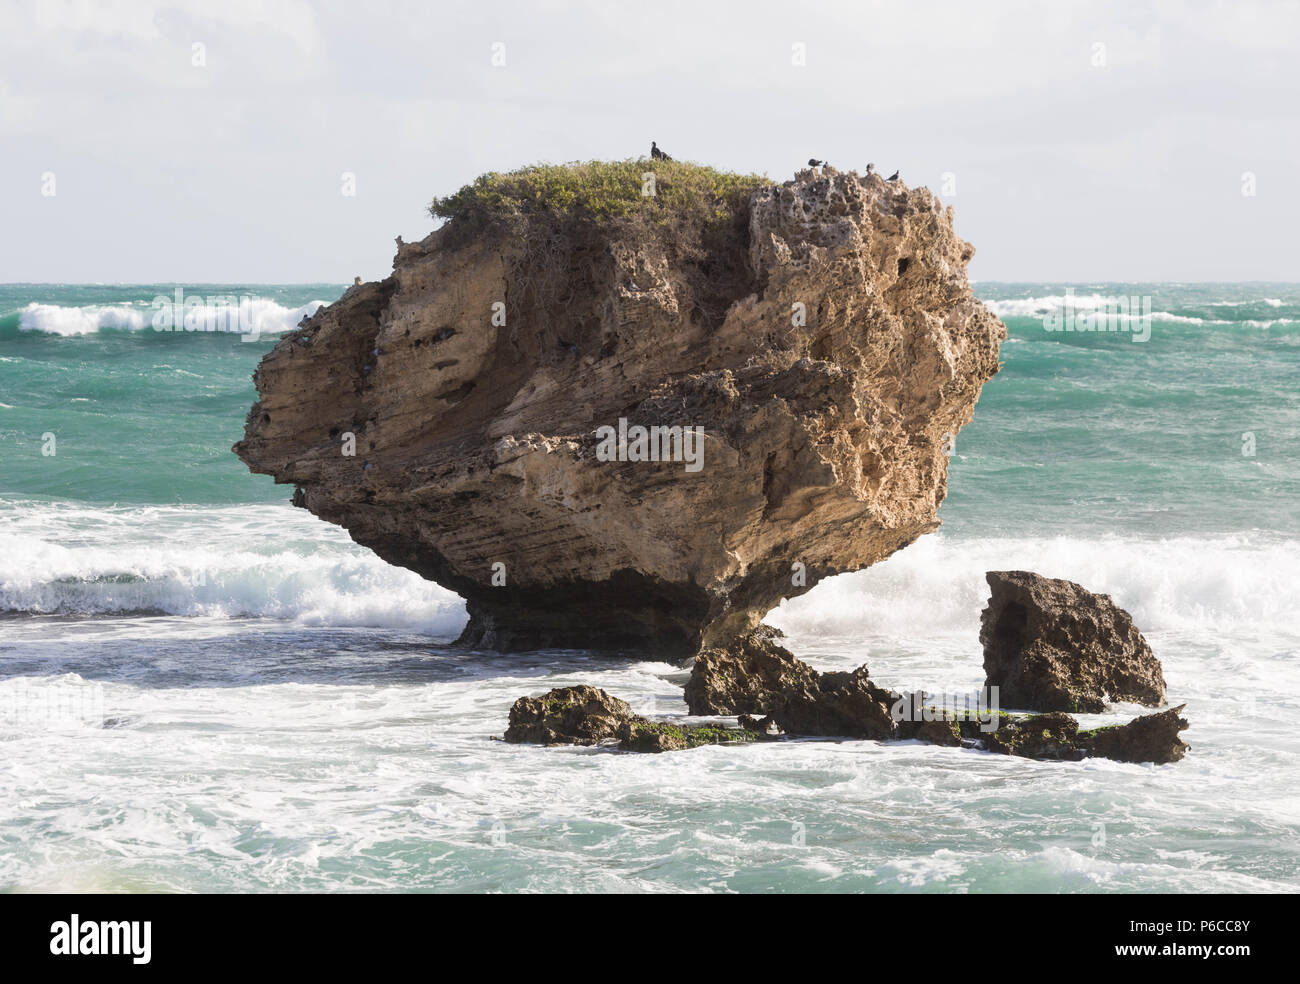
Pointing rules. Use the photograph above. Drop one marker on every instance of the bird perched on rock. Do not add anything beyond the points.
(813, 162)
(657, 154)
(871, 169)
(894, 176)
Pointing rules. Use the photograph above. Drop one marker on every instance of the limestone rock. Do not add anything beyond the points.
(1051, 645)
(821, 331)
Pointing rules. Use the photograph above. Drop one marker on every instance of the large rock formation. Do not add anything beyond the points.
(821, 332)
(1051, 645)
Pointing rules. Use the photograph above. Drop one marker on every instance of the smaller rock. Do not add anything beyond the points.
(568, 716)
(746, 677)
(648, 736)
(589, 716)
(1150, 738)
(935, 732)
(1052, 645)
(1055, 735)
(1037, 736)
(840, 704)
(755, 675)
(764, 726)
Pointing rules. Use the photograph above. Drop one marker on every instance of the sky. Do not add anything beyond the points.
(205, 142)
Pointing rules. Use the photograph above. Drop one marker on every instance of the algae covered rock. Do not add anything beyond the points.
(1150, 738)
(585, 715)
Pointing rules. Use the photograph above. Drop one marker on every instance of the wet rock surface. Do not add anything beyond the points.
(774, 693)
(749, 676)
(589, 716)
(1052, 645)
(1150, 738)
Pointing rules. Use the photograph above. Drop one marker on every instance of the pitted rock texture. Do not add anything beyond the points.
(827, 341)
(755, 675)
(749, 676)
(1052, 645)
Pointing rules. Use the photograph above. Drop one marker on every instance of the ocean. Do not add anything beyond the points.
(203, 689)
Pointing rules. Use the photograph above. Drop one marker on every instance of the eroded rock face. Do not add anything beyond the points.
(1051, 645)
(827, 342)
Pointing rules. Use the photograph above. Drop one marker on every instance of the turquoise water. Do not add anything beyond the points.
(202, 688)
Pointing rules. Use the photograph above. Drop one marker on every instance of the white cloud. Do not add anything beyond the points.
(403, 93)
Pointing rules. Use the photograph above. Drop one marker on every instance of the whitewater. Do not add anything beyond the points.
(205, 689)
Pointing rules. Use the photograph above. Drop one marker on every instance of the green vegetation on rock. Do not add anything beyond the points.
(602, 190)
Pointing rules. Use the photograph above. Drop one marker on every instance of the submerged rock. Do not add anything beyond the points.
(588, 716)
(1055, 735)
(1052, 645)
(819, 333)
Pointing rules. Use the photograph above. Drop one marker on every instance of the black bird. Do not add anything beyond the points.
(894, 176)
(813, 162)
(657, 154)
(871, 168)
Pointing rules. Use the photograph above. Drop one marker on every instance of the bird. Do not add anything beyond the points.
(871, 168)
(894, 176)
(814, 162)
(657, 154)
